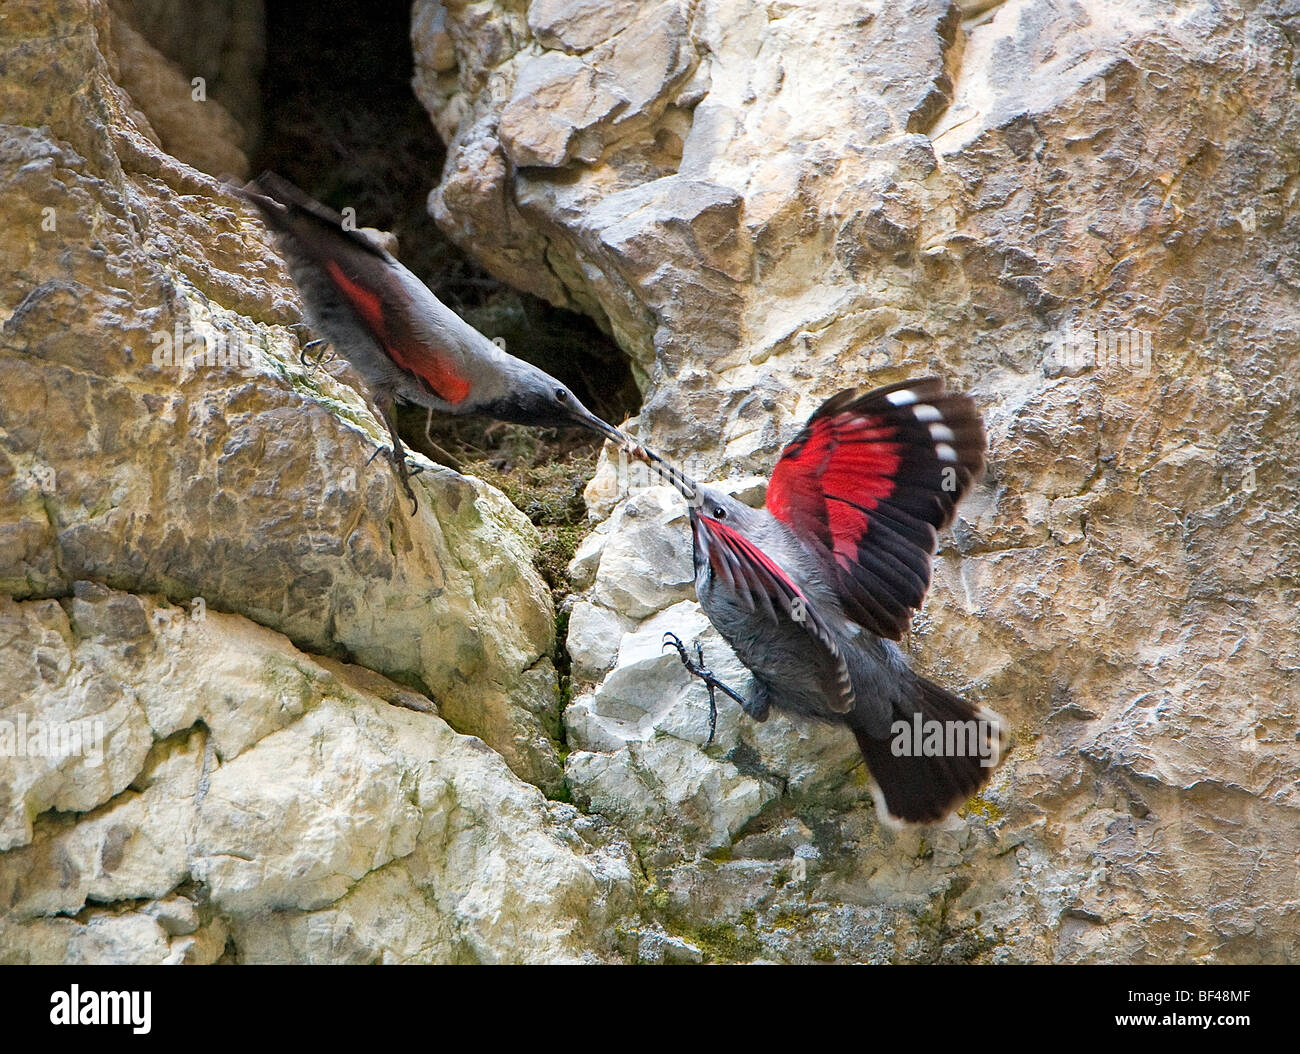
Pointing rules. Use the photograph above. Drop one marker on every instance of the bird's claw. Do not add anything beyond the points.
(671, 638)
(321, 358)
(405, 470)
(398, 457)
(698, 669)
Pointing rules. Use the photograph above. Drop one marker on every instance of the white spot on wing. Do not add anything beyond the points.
(903, 398)
(926, 412)
(942, 433)
(944, 452)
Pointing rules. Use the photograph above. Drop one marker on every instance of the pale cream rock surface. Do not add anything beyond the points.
(327, 722)
(1085, 213)
(285, 812)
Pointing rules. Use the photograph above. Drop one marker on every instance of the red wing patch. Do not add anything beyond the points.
(425, 362)
(741, 545)
(367, 302)
(433, 368)
(760, 583)
(869, 481)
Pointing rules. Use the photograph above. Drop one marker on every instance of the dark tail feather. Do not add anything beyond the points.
(289, 210)
(923, 777)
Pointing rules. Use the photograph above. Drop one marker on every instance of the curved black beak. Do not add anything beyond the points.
(580, 415)
(686, 486)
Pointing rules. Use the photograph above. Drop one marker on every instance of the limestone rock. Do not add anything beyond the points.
(594, 632)
(170, 441)
(175, 110)
(577, 25)
(222, 41)
(649, 536)
(304, 824)
(1080, 211)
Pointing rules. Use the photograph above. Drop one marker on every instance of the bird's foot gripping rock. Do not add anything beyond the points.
(398, 458)
(323, 356)
(698, 669)
(405, 470)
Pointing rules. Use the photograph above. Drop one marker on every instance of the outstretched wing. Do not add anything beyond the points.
(336, 267)
(869, 481)
(760, 585)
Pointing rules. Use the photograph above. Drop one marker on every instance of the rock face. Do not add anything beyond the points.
(238, 798)
(164, 437)
(161, 441)
(251, 710)
(1082, 211)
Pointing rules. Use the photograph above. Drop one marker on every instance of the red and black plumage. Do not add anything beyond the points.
(812, 591)
(406, 344)
(869, 481)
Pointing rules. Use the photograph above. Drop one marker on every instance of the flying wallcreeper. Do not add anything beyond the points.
(812, 591)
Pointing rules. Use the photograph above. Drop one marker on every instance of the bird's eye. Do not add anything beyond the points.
(561, 395)
(719, 513)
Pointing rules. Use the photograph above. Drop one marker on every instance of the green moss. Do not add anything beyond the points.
(658, 897)
(946, 943)
(725, 942)
(722, 941)
(823, 953)
(563, 666)
(287, 679)
(981, 806)
(346, 412)
(548, 492)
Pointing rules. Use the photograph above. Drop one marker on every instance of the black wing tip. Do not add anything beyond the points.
(280, 201)
(958, 412)
(275, 198)
(272, 185)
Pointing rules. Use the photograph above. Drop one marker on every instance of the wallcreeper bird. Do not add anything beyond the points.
(812, 591)
(403, 340)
